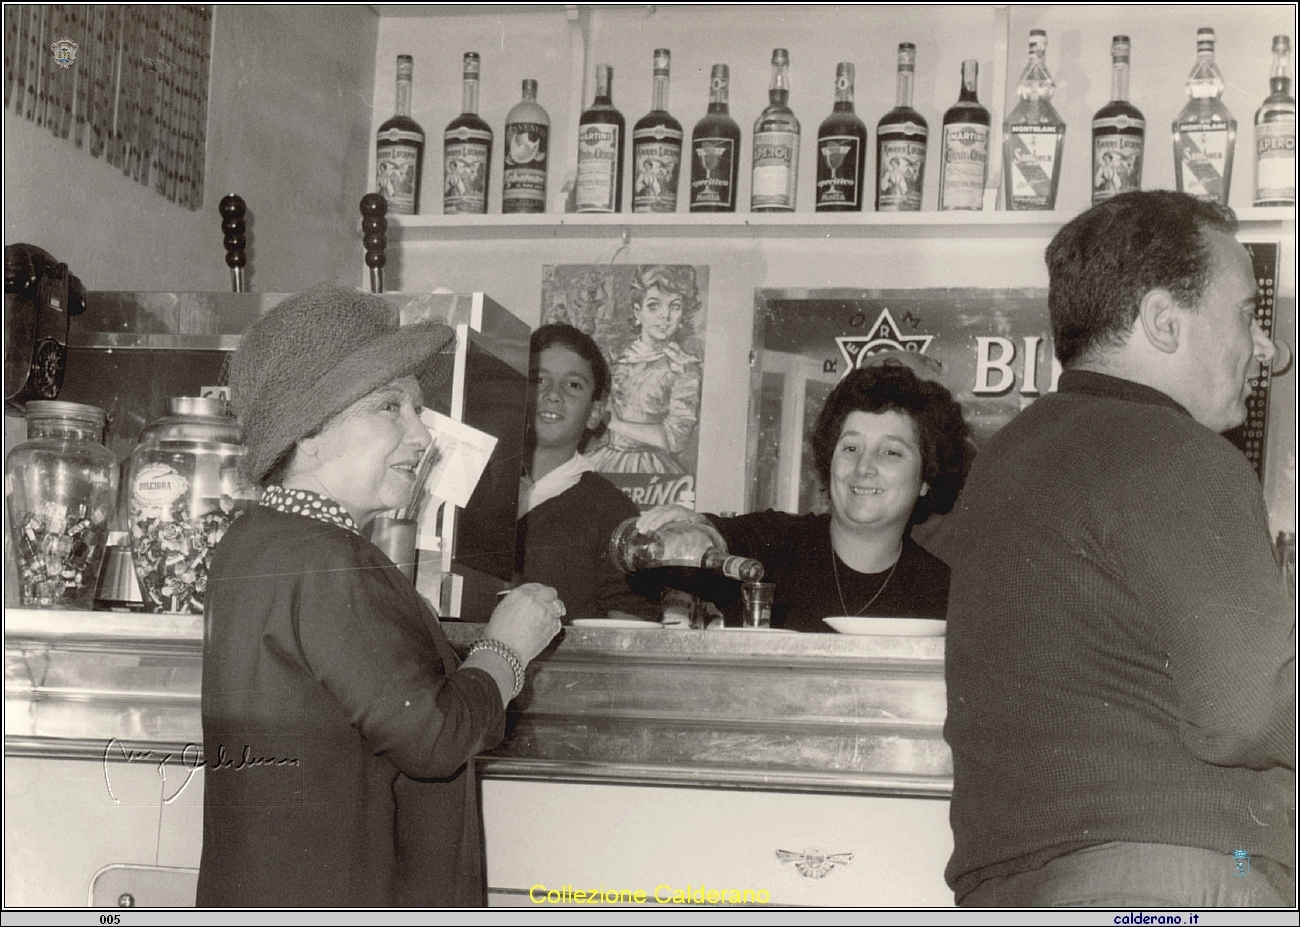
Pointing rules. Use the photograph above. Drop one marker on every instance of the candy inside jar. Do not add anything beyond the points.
(184, 493)
(60, 487)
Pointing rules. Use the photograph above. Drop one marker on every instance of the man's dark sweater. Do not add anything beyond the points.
(1121, 648)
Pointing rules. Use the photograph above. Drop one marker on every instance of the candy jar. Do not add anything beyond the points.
(184, 491)
(60, 487)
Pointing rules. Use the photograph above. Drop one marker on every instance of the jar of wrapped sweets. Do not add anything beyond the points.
(184, 492)
(60, 489)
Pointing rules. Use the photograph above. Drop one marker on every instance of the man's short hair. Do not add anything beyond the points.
(1103, 262)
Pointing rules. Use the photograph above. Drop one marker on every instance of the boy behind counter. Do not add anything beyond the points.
(567, 511)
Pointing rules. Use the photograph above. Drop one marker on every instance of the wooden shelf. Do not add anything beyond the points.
(764, 225)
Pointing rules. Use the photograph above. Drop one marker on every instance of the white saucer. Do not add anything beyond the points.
(614, 623)
(888, 627)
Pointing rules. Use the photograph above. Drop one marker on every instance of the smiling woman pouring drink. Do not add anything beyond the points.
(324, 670)
(890, 449)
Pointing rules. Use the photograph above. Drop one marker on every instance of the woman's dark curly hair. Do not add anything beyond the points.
(946, 448)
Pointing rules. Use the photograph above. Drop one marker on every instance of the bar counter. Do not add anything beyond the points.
(744, 736)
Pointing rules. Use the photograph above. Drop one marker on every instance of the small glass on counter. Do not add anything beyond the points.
(60, 487)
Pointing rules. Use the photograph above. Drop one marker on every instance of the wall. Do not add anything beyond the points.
(535, 44)
(288, 130)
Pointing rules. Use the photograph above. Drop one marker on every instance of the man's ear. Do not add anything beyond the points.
(1160, 320)
(597, 415)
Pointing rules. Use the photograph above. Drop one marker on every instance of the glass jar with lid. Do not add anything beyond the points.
(60, 489)
(184, 492)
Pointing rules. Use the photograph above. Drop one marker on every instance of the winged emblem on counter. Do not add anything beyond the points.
(812, 863)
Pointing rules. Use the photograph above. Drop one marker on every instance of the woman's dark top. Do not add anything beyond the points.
(796, 552)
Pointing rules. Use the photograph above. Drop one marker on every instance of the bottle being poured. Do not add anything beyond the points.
(679, 546)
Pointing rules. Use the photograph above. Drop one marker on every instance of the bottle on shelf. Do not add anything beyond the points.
(901, 137)
(679, 546)
(1205, 133)
(657, 148)
(523, 179)
(599, 185)
(399, 150)
(773, 185)
(964, 162)
(1118, 133)
(1033, 135)
(841, 150)
(1275, 167)
(715, 151)
(466, 151)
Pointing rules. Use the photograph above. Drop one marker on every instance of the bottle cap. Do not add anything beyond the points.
(844, 71)
(780, 56)
(1281, 43)
(663, 58)
(1119, 48)
(405, 66)
(471, 64)
(1205, 39)
(530, 88)
(906, 56)
(721, 72)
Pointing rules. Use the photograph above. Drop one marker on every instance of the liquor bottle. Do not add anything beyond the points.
(399, 150)
(1205, 133)
(715, 147)
(841, 150)
(1275, 134)
(657, 148)
(466, 151)
(901, 137)
(528, 130)
(1118, 133)
(683, 547)
(964, 164)
(1033, 135)
(599, 187)
(776, 145)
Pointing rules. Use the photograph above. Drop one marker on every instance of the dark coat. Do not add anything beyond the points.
(337, 728)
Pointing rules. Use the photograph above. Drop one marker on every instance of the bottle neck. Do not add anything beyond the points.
(403, 105)
(779, 93)
(1119, 80)
(843, 97)
(904, 94)
(660, 97)
(969, 84)
(604, 87)
(469, 96)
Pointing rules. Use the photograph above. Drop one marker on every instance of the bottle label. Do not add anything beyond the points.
(776, 167)
(964, 168)
(523, 185)
(396, 159)
(902, 172)
(1031, 153)
(657, 161)
(1275, 162)
(597, 168)
(838, 170)
(1202, 150)
(465, 167)
(711, 173)
(1116, 164)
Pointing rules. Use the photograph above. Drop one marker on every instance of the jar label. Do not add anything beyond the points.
(157, 486)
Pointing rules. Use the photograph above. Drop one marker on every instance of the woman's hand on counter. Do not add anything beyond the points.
(526, 619)
(653, 519)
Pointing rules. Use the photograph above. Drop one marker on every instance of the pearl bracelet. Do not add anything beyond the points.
(507, 653)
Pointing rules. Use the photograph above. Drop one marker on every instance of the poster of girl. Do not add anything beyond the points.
(649, 321)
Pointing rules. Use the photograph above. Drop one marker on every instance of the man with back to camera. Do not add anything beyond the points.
(1121, 646)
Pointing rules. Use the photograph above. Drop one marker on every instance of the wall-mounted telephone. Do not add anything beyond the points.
(40, 295)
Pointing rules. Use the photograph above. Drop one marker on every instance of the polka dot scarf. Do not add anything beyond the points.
(308, 503)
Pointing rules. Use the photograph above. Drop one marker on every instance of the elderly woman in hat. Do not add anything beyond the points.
(338, 723)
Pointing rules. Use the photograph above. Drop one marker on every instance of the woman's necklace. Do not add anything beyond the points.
(835, 570)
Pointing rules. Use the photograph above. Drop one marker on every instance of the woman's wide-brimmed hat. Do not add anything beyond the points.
(314, 355)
